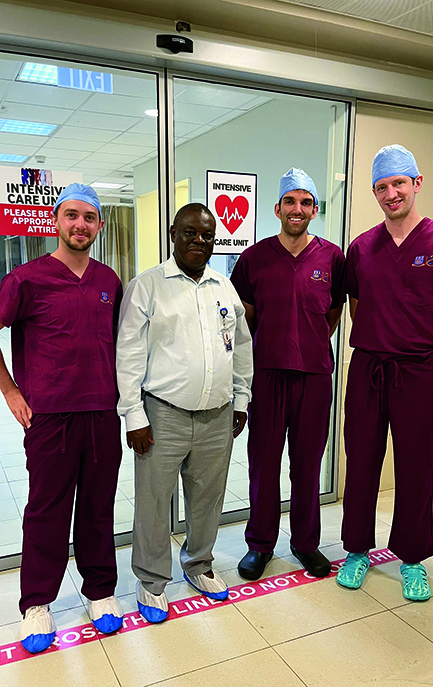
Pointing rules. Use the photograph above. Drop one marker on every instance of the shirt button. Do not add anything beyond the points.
(207, 348)
(201, 307)
(204, 327)
(208, 369)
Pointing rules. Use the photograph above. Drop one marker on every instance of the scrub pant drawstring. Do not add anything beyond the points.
(378, 372)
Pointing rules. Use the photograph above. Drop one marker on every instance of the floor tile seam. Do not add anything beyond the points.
(331, 627)
(408, 624)
(210, 665)
(54, 611)
(77, 590)
(369, 595)
(289, 666)
(269, 645)
(109, 661)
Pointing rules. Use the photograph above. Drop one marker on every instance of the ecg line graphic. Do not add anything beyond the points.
(228, 218)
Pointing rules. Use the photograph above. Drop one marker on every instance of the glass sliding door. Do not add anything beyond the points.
(249, 131)
(107, 129)
(64, 122)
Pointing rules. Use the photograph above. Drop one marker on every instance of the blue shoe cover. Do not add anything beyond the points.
(218, 596)
(152, 614)
(108, 623)
(106, 614)
(36, 643)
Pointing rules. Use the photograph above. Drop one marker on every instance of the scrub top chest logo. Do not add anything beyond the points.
(423, 260)
(319, 275)
(106, 297)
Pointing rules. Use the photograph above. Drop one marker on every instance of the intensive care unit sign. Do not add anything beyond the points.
(27, 198)
(232, 198)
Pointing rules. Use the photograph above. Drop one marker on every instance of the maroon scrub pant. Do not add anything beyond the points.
(70, 454)
(399, 392)
(296, 403)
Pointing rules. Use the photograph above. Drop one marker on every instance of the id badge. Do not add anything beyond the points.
(227, 339)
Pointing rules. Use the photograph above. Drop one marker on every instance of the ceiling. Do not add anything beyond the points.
(414, 15)
(397, 33)
(105, 136)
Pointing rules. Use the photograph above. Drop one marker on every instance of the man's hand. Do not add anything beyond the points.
(239, 420)
(139, 439)
(18, 406)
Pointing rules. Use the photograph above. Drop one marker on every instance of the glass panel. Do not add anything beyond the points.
(101, 129)
(243, 130)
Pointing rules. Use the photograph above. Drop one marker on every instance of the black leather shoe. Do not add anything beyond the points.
(253, 564)
(315, 563)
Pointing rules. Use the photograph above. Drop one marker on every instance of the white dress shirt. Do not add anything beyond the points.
(171, 343)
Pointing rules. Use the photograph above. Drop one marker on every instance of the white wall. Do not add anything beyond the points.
(377, 126)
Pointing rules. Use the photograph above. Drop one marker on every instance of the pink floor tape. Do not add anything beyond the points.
(83, 634)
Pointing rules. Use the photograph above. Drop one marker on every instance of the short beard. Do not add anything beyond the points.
(78, 248)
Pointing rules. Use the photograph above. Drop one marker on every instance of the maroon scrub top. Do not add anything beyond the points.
(62, 334)
(394, 286)
(291, 296)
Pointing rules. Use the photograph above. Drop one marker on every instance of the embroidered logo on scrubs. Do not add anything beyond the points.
(419, 260)
(318, 275)
(106, 298)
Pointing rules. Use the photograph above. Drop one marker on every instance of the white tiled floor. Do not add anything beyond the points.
(315, 635)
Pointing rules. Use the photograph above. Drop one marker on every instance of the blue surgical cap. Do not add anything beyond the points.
(296, 179)
(390, 161)
(79, 192)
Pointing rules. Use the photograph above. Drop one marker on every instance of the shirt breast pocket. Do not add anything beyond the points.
(228, 321)
(418, 286)
(317, 296)
(104, 324)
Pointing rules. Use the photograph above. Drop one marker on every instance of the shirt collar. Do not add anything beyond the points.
(173, 270)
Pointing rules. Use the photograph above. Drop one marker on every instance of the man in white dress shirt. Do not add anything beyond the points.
(184, 346)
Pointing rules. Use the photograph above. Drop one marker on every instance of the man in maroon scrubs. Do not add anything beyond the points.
(390, 284)
(63, 309)
(292, 287)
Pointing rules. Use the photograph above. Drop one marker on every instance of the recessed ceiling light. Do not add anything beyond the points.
(12, 158)
(38, 73)
(102, 184)
(15, 126)
(151, 113)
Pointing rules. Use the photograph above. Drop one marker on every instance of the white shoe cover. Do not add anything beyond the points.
(38, 621)
(215, 587)
(152, 600)
(106, 614)
(107, 606)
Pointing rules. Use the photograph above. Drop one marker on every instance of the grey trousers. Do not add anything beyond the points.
(199, 444)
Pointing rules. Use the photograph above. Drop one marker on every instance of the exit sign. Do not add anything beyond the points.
(83, 80)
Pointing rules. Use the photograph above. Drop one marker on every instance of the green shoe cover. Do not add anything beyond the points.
(415, 582)
(352, 572)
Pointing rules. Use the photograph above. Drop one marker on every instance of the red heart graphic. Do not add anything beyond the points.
(232, 212)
